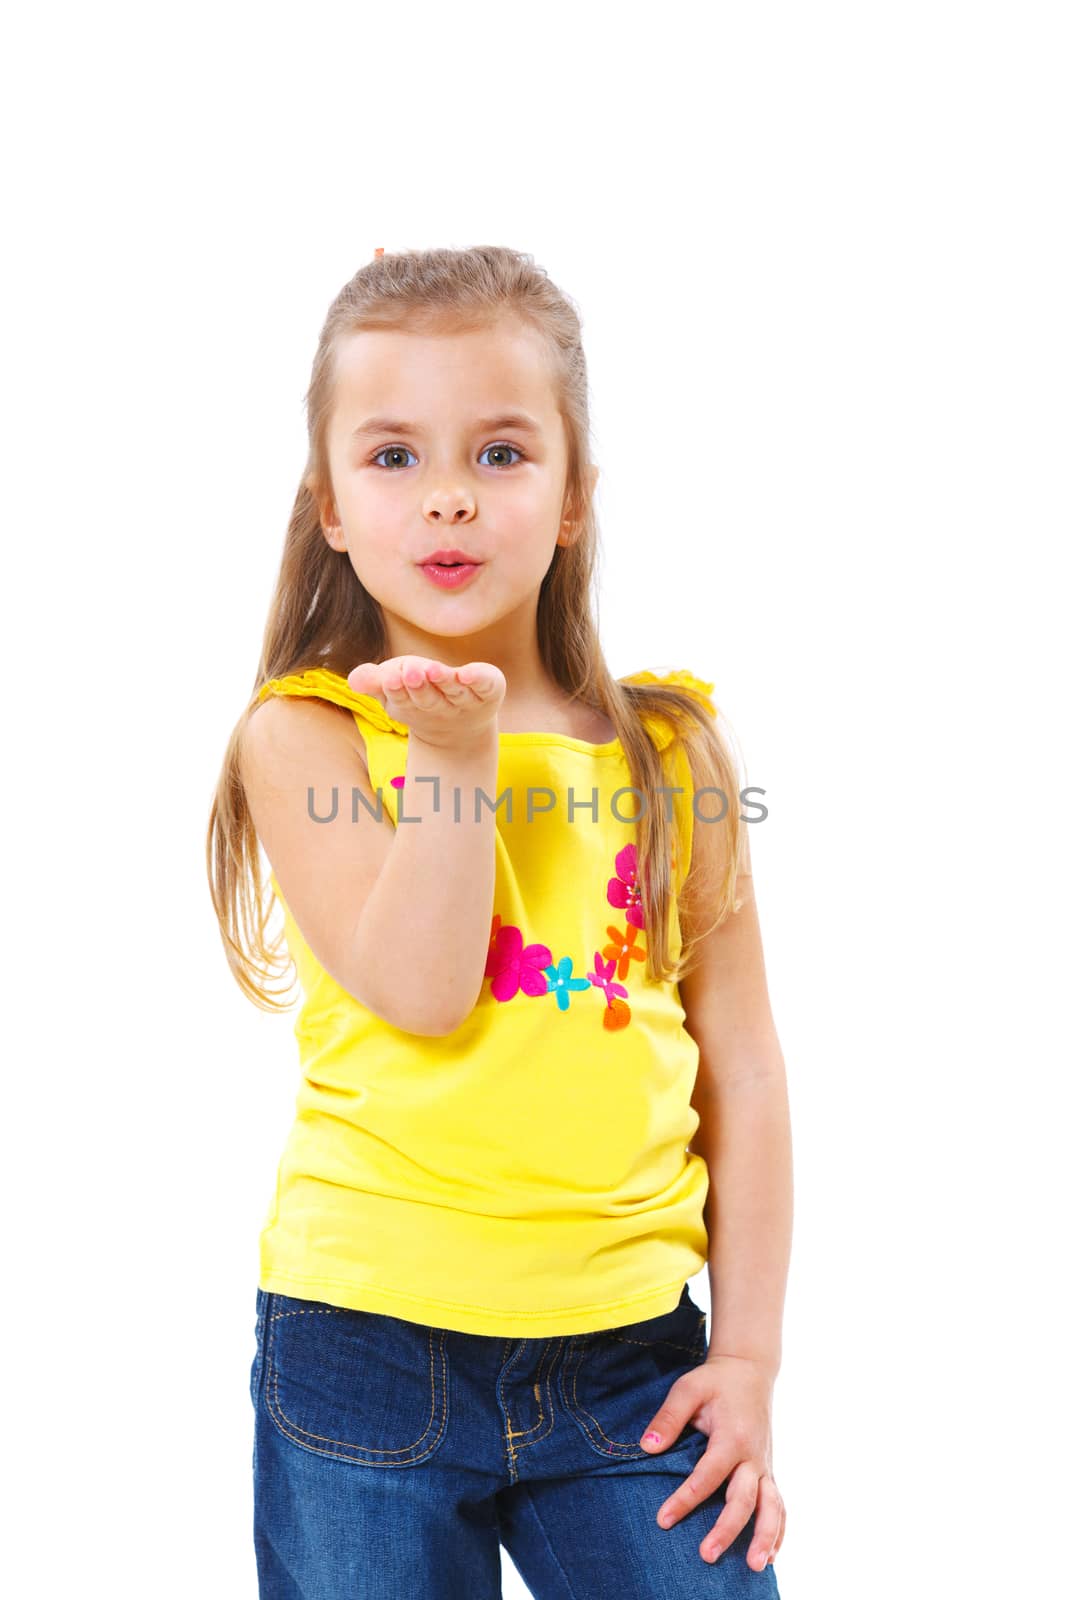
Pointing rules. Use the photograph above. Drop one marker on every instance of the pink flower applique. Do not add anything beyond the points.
(513, 966)
(624, 891)
(616, 1012)
(624, 947)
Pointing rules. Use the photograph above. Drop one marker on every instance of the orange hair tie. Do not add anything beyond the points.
(379, 250)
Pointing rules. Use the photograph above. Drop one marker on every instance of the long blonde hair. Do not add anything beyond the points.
(321, 615)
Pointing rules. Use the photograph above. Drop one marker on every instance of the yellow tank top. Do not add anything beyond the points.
(527, 1174)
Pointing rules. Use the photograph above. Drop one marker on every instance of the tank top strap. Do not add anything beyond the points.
(320, 683)
(672, 752)
(661, 730)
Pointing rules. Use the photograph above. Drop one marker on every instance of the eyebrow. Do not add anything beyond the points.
(509, 419)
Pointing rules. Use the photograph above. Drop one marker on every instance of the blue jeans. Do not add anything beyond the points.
(392, 1459)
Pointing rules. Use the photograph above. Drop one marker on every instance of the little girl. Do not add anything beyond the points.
(541, 1087)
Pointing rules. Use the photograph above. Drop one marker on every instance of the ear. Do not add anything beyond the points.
(329, 521)
(566, 527)
(333, 533)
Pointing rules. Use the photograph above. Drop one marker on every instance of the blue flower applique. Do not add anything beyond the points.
(562, 984)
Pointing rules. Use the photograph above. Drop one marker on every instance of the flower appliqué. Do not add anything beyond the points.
(562, 984)
(624, 890)
(512, 964)
(624, 947)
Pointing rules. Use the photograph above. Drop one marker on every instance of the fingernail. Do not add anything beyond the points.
(763, 1562)
(651, 1438)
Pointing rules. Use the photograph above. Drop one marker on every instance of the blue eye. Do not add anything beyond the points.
(402, 449)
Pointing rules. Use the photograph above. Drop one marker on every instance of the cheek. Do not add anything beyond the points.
(379, 524)
(376, 566)
(376, 502)
(522, 521)
(530, 548)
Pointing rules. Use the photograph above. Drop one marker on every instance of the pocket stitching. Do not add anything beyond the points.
(695, 1351)
(656, 1344)
(578, 1411)
(369, 1456)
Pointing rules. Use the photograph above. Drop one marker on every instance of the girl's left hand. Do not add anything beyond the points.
(728, 1398)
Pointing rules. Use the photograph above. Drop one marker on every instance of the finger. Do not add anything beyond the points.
(669, 1420)
(478, 677)
(704, 1479)
(413, 673)
(740, 1504)
(446, 681)
(419, 684)
(402, 676)
(777, 1545)
(366, 679)
(768, 1518)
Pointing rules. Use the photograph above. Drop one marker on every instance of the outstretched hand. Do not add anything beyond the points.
(729, 1399)
(441, 705)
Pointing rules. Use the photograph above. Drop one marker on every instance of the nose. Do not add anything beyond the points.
(444, 505)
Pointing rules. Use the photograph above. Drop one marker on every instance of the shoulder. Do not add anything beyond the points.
(315, 703)
(283, 731)
(323, 684)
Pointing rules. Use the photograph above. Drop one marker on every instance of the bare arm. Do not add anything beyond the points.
(744, 1136)
(423, 933)
(400, 916)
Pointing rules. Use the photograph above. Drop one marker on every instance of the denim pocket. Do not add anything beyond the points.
(613, 1382)
(354, 1385)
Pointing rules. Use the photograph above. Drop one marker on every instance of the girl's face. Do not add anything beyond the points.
(428, 451)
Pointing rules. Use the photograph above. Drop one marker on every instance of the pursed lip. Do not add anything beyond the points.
(449, 557)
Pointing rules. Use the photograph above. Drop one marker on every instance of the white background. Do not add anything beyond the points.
(819, 254)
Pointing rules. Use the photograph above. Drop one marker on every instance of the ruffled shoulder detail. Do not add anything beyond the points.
(680, 679)
(320, 683)
(661, 730)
